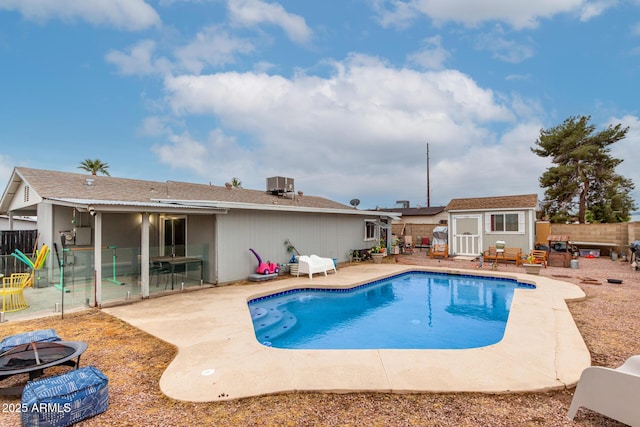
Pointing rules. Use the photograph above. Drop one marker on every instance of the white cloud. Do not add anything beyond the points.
(154, 126)
(213, 47)
(628, 149)
(432, 55)
(130, 15)
(503, 48)
(595, 8)
(509, 164)
(139, 60)
(249, 13)
(185, 152)
(399, 14)
(517, 14)
(364, 123)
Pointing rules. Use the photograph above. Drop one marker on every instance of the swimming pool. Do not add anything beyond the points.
(219, 357)
(412, 310)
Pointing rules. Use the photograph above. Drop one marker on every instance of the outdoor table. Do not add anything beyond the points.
(173, 261)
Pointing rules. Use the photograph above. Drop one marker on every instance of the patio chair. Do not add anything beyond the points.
(326, 262)
(310, 265)
(12, 291)
(160, 269)
(539, 257)
(439, 249)
(611, 392)
(18, 280)
(423, 243)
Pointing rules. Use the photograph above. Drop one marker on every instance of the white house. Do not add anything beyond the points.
(122, 225)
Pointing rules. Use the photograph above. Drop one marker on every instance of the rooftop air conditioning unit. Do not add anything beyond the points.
(279, 185)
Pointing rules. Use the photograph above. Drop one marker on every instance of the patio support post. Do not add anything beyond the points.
(144, 255)
(97, 251)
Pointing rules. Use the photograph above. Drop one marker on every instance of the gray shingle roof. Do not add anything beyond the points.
(65, 185)
(499, 202)
(422, 211)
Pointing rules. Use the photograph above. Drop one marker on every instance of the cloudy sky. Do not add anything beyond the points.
(341, 95)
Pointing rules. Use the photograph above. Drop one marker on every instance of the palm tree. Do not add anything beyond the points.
(94, 166)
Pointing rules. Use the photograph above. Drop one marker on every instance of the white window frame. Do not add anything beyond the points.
(490, 215)
(375, 228)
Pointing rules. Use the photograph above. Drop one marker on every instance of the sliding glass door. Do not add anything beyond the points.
(174, 235)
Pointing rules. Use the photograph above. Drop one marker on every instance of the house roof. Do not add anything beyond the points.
(419, 211)
(525, 201)
(112, 193)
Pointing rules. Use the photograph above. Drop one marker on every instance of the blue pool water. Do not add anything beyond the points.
(415, 310)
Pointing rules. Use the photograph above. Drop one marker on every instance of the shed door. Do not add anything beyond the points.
(466, 234)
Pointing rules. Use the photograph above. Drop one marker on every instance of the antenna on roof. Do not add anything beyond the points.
(355, 202)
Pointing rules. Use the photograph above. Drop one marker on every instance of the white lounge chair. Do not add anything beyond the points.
(326, 262)
(611, 392)
(313, 264)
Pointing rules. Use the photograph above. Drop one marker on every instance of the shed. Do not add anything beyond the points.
(477, 223)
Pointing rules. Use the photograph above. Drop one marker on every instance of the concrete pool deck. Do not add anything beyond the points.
(219, 357)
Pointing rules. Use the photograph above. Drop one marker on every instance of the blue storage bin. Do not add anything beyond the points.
(66, 399)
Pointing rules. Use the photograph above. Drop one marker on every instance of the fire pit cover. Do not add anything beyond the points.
(43, 335)
(38, 355)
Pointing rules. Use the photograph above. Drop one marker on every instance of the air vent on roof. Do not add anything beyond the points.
(279, 185)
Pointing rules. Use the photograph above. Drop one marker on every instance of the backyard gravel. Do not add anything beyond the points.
(609, 320)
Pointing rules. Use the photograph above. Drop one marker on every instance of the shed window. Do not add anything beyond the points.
(505, 222)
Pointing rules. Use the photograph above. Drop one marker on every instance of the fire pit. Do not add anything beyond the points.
(34, 357)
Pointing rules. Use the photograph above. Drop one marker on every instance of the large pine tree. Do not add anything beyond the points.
(583, 181)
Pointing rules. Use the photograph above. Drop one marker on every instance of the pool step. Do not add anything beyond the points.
(271, 322)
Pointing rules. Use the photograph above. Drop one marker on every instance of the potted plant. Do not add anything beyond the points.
(395, 249)
(530, 265)
(293, 262)
(377, 253)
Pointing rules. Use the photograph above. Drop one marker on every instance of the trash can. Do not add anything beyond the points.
(41, 278)
(574, 263)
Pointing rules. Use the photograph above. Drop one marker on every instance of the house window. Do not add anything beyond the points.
(506, 222)
(370, 230)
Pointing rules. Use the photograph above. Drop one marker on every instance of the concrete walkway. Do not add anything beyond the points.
(219, 357)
